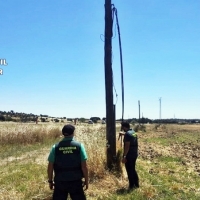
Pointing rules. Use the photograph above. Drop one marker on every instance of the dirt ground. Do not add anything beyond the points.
(181, 141)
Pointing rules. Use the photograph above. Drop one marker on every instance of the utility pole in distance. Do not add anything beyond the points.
(110, 111)
(139, 111)
(160, 107)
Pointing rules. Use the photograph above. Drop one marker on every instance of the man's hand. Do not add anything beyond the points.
(124, 160)
(85, 184)
(121, 133)
(51, 185)
(85, 173)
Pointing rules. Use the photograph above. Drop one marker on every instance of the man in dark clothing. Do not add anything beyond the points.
(130, 154)
(67, 161)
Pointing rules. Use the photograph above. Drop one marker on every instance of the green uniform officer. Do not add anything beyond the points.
(67, 166)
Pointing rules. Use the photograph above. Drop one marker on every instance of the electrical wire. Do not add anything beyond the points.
(121, 60)
(114, 13)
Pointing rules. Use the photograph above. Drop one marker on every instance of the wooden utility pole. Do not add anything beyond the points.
(139, 111)
(110, 110)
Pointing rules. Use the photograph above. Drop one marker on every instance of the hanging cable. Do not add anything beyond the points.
(114, 13)
(121, 62)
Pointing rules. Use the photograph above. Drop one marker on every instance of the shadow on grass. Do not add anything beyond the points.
(122, 191)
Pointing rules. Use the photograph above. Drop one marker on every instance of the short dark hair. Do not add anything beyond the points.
(125, 124)
(68, 130)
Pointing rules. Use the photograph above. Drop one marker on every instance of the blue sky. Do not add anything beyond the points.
(55, 55)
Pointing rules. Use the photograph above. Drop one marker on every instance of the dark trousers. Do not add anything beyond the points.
(73, 188)
(131, 172)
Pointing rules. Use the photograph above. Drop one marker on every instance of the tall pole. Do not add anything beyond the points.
(139, 111)
(160, 107)
(110, 116)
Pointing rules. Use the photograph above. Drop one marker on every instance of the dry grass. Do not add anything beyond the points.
(12, 133)
(168, 163)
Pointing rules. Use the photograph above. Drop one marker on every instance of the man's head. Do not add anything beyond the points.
(125, 126)
(68, 130)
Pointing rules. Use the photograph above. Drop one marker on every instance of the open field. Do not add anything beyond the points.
(168, 164)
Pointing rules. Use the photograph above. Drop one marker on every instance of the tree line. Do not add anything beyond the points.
(24, 117)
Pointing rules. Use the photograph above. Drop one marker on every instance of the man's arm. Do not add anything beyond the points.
(85, 172)
(121, 134)
(50, 174)
(126, 149)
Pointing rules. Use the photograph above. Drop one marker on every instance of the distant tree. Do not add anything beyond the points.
(8, 118)
(145, 120)
(95, 119)
(43, 119)
(133, 121)
(56, 120)
(12, 112)
(2, 118)
(82, 120)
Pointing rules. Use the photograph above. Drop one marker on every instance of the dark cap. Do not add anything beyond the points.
(68, 130)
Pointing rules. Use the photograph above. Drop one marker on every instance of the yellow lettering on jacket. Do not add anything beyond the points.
(66, 150)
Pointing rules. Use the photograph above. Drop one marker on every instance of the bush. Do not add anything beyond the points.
(139, 128)
(133, 122)
(42, 119)
(2, 118)
(82, 119)
(8, 118)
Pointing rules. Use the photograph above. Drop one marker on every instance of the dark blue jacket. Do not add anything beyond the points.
(67, 165)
